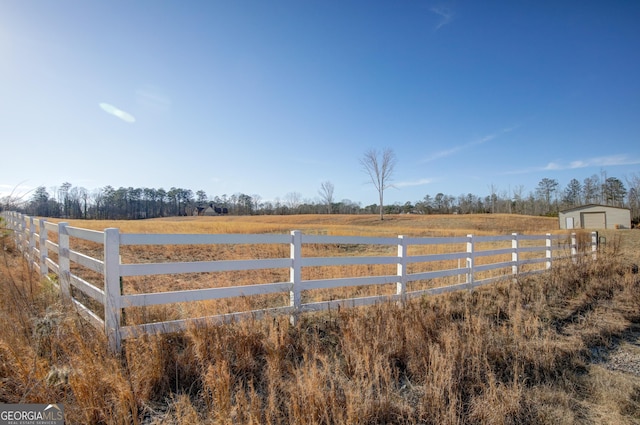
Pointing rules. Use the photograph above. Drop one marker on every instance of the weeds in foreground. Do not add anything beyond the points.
(512, 353)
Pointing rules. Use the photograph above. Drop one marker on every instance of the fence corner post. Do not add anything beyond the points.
(515, 267)
(574, 248)
(112, 300)
(470, 260)
(295, 275)
(64, 263)
(401, 285)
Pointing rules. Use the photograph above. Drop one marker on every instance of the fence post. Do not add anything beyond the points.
(44, 250)
(470, 260)
(32, 242)
(401, 285)
(25, 235)
(594, 245)
(64, 265)
(20, 234)
(17, 234)
(18, 222)
(514, 254)
(18, 229)
(548, 252)
(112, 300)
(574, 248)
(295, 274)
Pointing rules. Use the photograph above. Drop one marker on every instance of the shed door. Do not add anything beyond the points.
(569, 222)
(594, 220)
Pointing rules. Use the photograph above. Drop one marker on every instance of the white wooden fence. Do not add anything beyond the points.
(31, 237)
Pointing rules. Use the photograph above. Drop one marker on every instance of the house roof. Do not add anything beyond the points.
(581, 207)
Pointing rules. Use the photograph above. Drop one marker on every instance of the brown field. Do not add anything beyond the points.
(365, 225)
(536, 351)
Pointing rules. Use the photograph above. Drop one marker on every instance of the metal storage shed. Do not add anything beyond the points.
(595, 216)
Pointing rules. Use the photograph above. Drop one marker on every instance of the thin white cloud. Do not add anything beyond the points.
(578, 164)
(553, 166)
(456, 149)
(153, 99)
(443, 154)
(420, 182)
(446, 16)
(600, 161)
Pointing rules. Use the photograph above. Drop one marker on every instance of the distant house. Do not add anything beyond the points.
(210, 210)
(593, 216)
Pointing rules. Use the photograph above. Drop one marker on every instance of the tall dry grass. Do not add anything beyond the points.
(517, 352)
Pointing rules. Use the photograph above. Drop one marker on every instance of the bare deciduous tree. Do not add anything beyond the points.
(633, 182)
(293, 200)
(379, 167)
(257, 199)
(326, 194)
(591, 190)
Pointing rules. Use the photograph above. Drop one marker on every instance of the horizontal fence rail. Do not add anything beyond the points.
(40, 240)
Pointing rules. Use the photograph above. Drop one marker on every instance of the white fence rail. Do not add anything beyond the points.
(515, 253)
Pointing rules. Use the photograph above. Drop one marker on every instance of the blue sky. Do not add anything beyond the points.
(273, 97)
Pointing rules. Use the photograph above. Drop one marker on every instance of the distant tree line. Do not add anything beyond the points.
(547, 199)
(68, 201)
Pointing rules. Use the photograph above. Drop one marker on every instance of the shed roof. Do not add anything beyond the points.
(581, 207)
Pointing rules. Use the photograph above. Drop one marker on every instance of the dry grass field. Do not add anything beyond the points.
(558, 348)
(368, 225)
